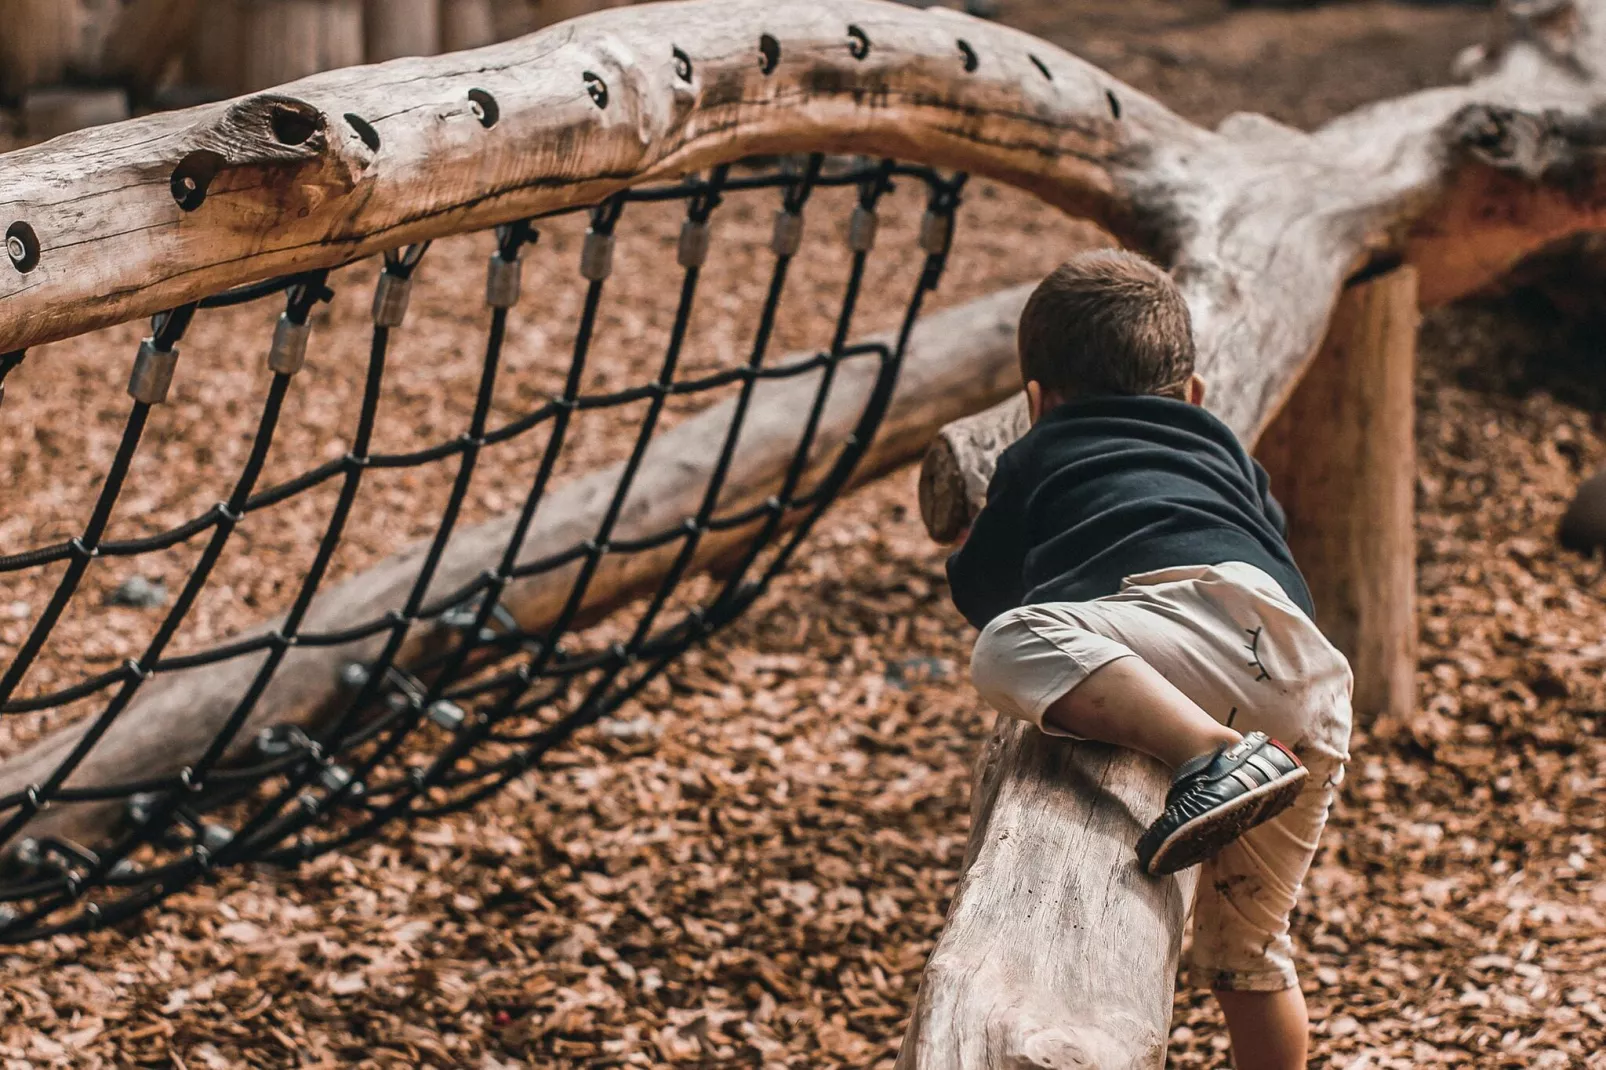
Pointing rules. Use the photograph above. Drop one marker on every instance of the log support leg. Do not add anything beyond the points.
(1342, 459)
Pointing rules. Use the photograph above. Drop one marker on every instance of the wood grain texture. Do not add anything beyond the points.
(289, 39)
(466, 24)
(307, 193)
(1058, 950)
(958, 360)
(1342, 460)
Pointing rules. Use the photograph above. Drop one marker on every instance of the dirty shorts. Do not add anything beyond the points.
(1231, 640)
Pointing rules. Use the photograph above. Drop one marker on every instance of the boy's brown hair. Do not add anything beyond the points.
(1107, 322)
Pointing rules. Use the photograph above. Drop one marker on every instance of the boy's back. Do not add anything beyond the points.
(1109, 487)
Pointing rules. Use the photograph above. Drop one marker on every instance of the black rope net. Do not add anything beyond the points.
(455, 697)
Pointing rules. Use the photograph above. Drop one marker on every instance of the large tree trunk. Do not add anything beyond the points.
(395, 28)
(38, 41)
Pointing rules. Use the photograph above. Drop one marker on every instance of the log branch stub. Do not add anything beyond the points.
(960, 463)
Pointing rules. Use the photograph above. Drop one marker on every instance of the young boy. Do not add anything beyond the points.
(1133, 585)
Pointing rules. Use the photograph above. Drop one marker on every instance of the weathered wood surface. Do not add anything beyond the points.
(295, 185)
(1342, 460)
(1261, 226)
(958, 360)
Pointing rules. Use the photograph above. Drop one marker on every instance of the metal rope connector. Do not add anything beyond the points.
(862, 227)
(153, 373)
(694, 238)
(788, 237)
(936, 232)
(390, 300)
(288, 352)
(502, 281)
(596, 256)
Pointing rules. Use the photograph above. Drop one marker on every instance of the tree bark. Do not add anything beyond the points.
(957, 361)
(466, 24)
(396, 28)
(290, 39)
(1342, 460)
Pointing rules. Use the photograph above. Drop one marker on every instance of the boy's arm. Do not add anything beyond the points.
(984, 574)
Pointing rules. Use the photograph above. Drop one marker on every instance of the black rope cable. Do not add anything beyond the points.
(486, 699)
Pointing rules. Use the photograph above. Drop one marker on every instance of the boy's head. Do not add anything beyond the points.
(1103, 323)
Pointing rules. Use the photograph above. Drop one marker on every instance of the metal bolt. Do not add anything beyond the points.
(936, 231)
(16, 249)
(354, 675)
(215, 837)
(27, 853)
(141, 807)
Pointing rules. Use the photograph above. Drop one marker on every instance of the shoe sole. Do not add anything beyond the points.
(1204, 836)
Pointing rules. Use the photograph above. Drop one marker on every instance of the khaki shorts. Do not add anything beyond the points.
(1230, 639)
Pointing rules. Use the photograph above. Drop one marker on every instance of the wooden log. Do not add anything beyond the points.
(48, 113)
(960, 463)
(39, 41)
(466, 24)
(1342, 460)
(289, 39)
(957, 361)
(395, 28)
(145, 40)
(1058, 950)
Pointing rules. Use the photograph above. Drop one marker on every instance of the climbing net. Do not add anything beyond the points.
(437, 698)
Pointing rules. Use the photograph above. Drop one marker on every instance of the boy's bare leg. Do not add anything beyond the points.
(1269, 1029)
(1127, 703)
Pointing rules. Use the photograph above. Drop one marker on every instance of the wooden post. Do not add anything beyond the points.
(393, 28)
(290, 39)
(466, 24)
(1342, 457)
(39, 40)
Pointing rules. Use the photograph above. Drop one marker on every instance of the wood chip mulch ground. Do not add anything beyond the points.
(750, 865)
